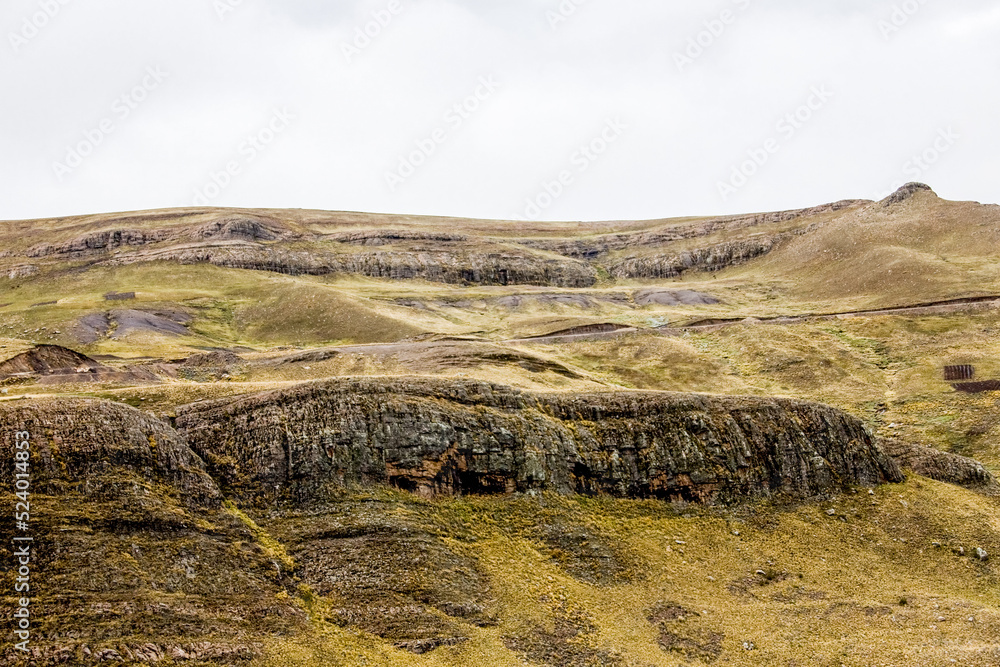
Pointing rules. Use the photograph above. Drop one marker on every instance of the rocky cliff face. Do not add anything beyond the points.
(452, 438)
(710, 258)
(602, 245)
(440, 437)
(455, 265)
(942, 466)
(483, 257)
(226, 228)
(134, 560)
(91, 446)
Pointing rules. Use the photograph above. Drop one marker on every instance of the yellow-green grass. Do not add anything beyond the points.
(864, 586)
(887, 369)
(923, 249)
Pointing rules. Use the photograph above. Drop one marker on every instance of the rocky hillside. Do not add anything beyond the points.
(93, 446)
(435, 438)
(455, 438)
(312, 438)
(329, 244)
(116, 487)
(143, 558)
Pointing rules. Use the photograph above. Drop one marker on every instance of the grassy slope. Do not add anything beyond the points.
(832, 589)
(571, 581)
(866, 586)
(886, 369)
(922, 249)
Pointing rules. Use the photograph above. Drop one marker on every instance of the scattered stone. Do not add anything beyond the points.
(981, 554)
(24, 271)
(659, 297)
(92, 328)
(119, 296)
(749, 646)
(421, 646)
(168, 322)
(684, 632)
(214, 359)
(831, 512)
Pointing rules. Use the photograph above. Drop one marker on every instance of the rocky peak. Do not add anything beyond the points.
(905, 192)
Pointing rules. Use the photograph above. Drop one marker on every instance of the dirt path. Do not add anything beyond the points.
(569, 338)
(931, 308)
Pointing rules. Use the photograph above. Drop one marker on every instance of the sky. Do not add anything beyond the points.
(522, 109)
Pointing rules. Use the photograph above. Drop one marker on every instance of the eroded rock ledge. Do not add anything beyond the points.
(441, 437)
(96, 446)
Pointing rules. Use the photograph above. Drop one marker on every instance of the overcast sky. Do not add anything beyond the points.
(566, 110)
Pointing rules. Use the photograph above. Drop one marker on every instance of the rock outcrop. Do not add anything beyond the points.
(455, 266)
(483, 256)
(227, 228)
(511, 268)
(53, 364)
(436, 437)
(49, 360)
(95, 445)
(710, 258)
(943, 466)
(593, 248)
(905, 192)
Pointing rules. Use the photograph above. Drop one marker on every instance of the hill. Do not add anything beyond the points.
(291, 437)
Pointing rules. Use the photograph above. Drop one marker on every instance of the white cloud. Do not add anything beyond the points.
(557, 88)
